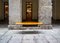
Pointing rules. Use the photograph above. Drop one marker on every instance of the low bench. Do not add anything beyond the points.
(29, 23)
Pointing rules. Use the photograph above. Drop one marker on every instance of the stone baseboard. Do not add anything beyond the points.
(19, 27)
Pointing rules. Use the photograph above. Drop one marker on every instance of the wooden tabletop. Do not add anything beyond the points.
(29, 23)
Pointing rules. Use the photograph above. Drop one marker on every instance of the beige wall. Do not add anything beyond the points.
(35, 9)
(56, 9)
(1, 10)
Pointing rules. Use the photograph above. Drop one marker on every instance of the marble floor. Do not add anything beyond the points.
(40, 36)
(33, 36)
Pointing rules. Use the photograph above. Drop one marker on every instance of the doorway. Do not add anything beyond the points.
(4, 13)
(30, 11)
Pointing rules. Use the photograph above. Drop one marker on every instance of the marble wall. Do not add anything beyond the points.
(15, 11)
(44, 12)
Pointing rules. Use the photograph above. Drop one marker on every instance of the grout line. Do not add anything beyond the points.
(3, 35)
(9, 39)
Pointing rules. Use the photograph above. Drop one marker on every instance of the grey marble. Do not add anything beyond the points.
(14, 36)
(45, 2)
(15, 11)
(44, 13)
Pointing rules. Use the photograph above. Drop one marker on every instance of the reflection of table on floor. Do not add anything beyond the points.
(16, 36)
(29, 23)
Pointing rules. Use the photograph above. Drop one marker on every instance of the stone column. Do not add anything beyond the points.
(45, 13)
(15, 12)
